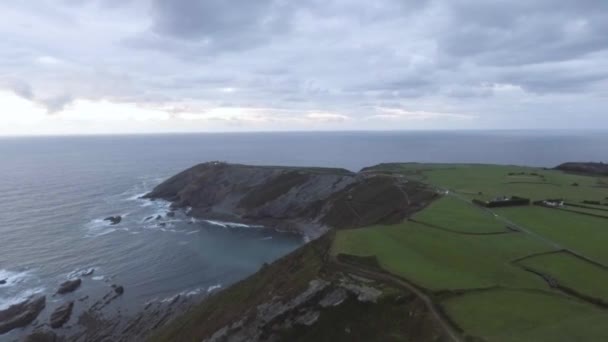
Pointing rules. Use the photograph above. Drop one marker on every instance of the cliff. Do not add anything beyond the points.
(304, 200)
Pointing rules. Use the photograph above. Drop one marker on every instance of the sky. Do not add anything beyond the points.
(142, 66)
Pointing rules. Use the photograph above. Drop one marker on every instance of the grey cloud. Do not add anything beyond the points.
(518, 32)
(222, 24)
(339, 56)
(23, 89)
(56, 104)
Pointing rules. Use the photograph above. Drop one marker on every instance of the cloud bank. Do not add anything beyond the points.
(211, 65)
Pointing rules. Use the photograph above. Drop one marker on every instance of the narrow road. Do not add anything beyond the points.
(388, 278)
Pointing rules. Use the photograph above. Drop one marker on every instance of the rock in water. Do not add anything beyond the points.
(21, 314)
(41, 336)
(114, 220)
(118, 289)
(171, 214)
(2, 281)
(61, 315)
(69, 286)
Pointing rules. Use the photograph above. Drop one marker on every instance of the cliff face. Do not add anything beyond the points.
(304, 200)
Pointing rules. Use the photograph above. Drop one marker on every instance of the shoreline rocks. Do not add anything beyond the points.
(114, 220)
(42, 336)
(21, 314)
(61, 315)
(119, 290)
(69, 286)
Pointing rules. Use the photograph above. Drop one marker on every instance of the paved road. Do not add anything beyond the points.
(451, 333)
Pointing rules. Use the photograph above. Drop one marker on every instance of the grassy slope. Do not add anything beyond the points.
(585, 234)
(572, 272)
(454, 214)
(494, 180)
(511, 315)
(524, 309)
(440, 260)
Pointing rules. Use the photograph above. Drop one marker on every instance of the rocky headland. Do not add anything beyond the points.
(308, 201)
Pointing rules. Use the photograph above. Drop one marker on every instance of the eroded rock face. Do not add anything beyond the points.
(61, 315)
(21, 314)
(69, 286)
(305, 309)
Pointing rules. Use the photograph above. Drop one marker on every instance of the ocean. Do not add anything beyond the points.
(56, 191)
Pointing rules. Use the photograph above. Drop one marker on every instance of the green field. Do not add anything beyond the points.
(494, 180)
(586, 235)
(452, 245)
(575, 273)
(440, 260)
(515, 316)
(453, 214)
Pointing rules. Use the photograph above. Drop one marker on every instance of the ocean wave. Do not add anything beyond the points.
(12, 277)
(189, 293)
(99, 227)
(6, 302)
(82, 272)
(213, 288)
(224, 224)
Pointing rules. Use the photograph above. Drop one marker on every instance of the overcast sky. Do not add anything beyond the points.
(70, 66)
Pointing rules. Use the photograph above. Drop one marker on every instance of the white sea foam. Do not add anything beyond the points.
(82, 272)
(189, 293)
(213, 288)
(266, 238)
(13, 278)
(5, 302)
(231, 224)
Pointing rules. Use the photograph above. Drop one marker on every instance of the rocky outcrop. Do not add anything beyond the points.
(304, 200)
(69, 286)
(21, 314)
(114, 220)
(585, 168)
(42, 336)
(61, 315)
(119, 290)
(3, 281)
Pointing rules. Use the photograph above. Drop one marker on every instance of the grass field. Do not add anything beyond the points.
(575, 273)
(494, 180)
(515, 316)
(454, 214)
(440, 260)
(459, 256)
(584, 234)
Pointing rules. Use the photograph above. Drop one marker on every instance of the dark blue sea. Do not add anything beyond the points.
(55, 192)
